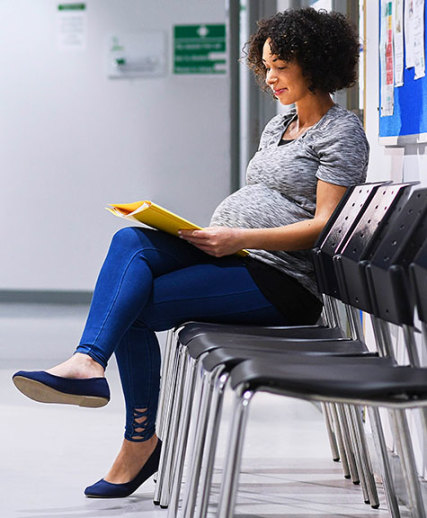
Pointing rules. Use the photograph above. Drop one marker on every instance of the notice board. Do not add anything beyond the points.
(408, 121)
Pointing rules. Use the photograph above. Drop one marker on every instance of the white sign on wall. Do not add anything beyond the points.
(71, 26)
(137, 55)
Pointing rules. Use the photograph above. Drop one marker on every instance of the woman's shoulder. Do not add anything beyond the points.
(340, 118)
(342, 147)
(337, 125)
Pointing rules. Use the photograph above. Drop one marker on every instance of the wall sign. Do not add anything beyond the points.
(199, 49)
(71, 28)
(137, 55)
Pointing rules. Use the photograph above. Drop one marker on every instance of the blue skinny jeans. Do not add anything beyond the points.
(152, 281)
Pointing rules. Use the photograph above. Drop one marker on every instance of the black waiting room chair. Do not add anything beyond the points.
(375, 382)
(355, 203)
(380, 228)
(395, 194)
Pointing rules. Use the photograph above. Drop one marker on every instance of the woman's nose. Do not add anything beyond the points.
(270, 78)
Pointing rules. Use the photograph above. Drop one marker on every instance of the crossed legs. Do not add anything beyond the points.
(149, 282)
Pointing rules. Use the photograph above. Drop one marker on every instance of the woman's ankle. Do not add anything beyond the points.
(149, 444)
(131, 458)
(79, 366)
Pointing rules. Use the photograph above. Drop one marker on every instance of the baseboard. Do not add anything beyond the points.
(45, 297)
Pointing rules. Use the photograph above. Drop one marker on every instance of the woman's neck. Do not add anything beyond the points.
(310, 110)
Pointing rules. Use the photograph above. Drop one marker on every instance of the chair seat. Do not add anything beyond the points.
(194, 329)
(373, 381)
(210, 341)
(230, 357)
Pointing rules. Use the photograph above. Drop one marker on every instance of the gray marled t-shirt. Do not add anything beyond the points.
(281, 181)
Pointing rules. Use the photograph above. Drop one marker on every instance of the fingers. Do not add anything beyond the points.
(201, 240)
(186, 234)
(211, 240)
(195, 236)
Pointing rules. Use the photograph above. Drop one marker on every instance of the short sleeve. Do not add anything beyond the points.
(343, 151)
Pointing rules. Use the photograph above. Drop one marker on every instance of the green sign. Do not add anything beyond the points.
(71, 7)
(199, 49)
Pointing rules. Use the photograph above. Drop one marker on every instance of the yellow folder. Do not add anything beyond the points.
(154, 216)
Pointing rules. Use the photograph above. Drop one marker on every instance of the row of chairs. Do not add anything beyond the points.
(371, 256)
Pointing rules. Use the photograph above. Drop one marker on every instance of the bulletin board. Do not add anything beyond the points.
(408, 122)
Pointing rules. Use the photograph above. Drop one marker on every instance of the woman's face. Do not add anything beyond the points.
(285, 78)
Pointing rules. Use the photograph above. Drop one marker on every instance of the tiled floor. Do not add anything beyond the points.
(48, 454)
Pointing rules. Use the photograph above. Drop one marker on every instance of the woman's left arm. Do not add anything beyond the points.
(220, 241)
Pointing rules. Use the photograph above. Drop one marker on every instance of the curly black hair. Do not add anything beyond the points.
(324, 44)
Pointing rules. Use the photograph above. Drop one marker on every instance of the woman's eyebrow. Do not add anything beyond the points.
(273, 60)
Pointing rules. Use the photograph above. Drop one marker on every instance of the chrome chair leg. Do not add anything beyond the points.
(334, 319)
(353, 317)
(170, 441)
(330, 431)
(424, 418)
(178, 462)
(383, 337)
(381, 449)
(169, 424)
(234, 454)
(409, 466)
(199, 393)
(164, 385)
(208, 462)
(356, 452)
(411, 345)
(343, 455)
(196, 459)
(424, 333)
(347, 444)
(366, 467)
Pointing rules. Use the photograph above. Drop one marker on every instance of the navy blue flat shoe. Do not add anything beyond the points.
(104, 489)
(47, 388)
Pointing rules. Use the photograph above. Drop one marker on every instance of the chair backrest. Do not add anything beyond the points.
(360, 245)
(418, 273)
(331, 221)
(344, 221)
(387, 270)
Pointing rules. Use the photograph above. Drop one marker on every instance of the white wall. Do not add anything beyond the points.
(72, 140)
(407, 163)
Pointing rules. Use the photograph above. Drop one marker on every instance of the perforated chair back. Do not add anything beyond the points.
(360, 245)
(331, 221)
(344, 223)
(387, 271)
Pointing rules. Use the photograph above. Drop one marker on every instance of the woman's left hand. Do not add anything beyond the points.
(216, 241)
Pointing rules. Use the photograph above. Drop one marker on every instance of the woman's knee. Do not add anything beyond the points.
(125, 237)
(125, 243)
(135, 237)
(130, 239)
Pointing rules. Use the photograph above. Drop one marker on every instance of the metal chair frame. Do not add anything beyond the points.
(240, 414)
(336, 236)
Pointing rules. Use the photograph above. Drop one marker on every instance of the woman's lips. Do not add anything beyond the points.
(279, 91)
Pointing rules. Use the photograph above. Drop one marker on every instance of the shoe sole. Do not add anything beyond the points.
(104, 497)
(45, 394)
